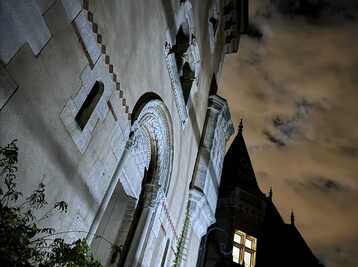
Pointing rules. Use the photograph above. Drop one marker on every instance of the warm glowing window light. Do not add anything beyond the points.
(244, 249)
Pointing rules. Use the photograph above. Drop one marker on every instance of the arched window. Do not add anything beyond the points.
(244, 249)
(90, 103)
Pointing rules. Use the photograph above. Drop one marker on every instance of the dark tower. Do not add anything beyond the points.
(249, 231)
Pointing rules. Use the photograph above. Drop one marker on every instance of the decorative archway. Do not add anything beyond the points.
(150, 146)
(151, 142)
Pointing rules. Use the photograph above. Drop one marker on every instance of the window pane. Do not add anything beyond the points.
(247, 259)
(235, 254)
(248, 243)
(237, 238)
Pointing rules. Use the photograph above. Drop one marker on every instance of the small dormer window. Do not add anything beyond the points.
(244, 249)
(90, 103)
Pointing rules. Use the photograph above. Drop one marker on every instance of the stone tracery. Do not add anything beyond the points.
(151, 140)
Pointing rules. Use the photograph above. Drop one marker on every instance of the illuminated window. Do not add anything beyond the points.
(244, 249)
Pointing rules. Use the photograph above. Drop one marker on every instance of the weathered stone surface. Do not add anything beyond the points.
(20, 23)
(87, 167)
(7, 86)
(87, 36)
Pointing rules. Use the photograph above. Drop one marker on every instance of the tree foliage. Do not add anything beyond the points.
(22, 241)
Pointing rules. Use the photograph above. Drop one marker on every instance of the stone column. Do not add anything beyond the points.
(107, 196)
(141, 248)
(207, 175)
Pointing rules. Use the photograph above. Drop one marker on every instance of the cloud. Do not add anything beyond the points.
(318, 11)
(254, 32)
(327, 185)
(275, 140)
(287, 129)
(319, 184)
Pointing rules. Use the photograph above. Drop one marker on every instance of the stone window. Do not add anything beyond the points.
(89, 104)
(186, 80)
(183, 59)
(244, 249)
(214, 15)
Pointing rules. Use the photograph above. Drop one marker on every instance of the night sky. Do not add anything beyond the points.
(294, 82)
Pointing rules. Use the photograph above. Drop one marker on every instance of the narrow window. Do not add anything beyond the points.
(89, 104)
(244, 249)
(187, 80)
(181, 46)
(214, 23)
(213, 86)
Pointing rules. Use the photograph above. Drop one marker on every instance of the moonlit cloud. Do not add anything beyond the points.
(295, 83)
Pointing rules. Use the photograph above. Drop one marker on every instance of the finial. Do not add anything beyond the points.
(270, 193)
(292, 218)
(240, 126)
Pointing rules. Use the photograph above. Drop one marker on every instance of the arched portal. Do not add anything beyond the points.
(149, 147)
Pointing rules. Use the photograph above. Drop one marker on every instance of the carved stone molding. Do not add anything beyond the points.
(152, 140)
(191, 56)
(214, 23)
(200, 214)
(151, 145)
(205, 185)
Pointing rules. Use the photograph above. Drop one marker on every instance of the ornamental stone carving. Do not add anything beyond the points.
(214, 23)
(182, 56)
(151, 146)
(151, 141)
(205, 185)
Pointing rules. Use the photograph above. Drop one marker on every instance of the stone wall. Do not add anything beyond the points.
(53, 52)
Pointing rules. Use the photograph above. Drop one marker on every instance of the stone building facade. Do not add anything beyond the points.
(115, 107)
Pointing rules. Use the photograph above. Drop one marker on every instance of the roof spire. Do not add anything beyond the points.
(292, 218)
(270, 193)
(240, 127)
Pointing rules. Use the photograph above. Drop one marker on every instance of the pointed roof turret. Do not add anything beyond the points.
(270, 193)
(292, 218)
(237, 170)
(241, 126)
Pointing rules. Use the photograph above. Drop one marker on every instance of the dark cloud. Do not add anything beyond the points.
(350, 150)
(254, 32)
(318, 10)
(273, 139)
(286, 129)
(309, 8)
(327, 185)
(322, 184)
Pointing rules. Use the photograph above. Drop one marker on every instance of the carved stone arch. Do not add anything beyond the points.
(151, 145)
(151, 141)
